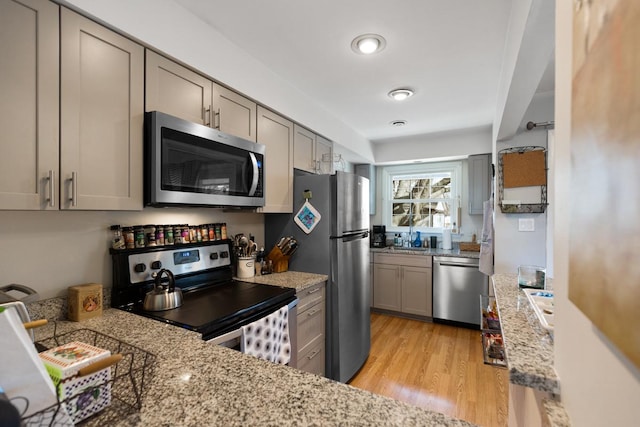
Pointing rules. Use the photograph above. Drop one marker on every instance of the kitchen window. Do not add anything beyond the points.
(422, 197)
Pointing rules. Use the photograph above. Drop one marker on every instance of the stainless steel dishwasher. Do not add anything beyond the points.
(457, 285)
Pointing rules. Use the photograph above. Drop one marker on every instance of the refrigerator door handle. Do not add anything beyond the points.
(352, 235)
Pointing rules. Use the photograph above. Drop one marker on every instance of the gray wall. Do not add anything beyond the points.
(513, 247)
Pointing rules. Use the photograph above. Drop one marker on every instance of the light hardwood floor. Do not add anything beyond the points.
(434, 366)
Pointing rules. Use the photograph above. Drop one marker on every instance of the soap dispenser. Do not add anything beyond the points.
(417, 242)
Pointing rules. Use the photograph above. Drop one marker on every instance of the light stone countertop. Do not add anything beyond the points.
(289, 279)
(198, 384)
(528, 346)
(427, 252)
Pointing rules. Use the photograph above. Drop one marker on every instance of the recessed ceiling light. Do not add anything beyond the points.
(366, 44)
(398, 123)
(400, 94)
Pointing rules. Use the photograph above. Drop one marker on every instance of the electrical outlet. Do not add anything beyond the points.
(526, 224)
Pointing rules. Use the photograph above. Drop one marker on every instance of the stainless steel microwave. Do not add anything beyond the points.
(194, 165)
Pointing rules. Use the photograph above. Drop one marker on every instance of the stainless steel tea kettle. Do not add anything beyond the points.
(162, 298)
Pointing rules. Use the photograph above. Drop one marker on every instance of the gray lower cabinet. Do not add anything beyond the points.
(311, 329)
(402, 283)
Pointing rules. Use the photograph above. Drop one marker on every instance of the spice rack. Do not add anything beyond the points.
(129, 378)
(492, 343)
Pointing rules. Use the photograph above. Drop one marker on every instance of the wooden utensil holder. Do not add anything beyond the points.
(280, 261)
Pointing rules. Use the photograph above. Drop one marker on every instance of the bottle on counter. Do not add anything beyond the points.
(417, 242)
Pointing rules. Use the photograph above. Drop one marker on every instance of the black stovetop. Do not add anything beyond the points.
(221, 308)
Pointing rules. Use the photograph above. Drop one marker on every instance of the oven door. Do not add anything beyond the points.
(191, 164)
(232, 339)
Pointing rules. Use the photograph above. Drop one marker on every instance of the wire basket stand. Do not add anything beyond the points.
(129, 379)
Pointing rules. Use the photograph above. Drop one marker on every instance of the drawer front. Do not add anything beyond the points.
(312, 360)
(310, 296)
(310, 326)
(409, 260)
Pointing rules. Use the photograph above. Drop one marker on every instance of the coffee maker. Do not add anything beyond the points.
(378, 236)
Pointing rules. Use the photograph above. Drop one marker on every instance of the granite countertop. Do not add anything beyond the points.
(455, 252)
(529, 347)
(289, 279)
(197, 384)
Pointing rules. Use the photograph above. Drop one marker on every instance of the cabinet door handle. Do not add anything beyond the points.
(52, 189)
(314, 354)
(216, 121)
(206, 116)
(313, 291)
(312, 312)
(74, 188)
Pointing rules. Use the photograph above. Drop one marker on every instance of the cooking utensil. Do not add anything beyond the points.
(161, 298)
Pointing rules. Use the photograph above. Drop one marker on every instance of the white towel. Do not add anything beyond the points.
(486, 240)
(268, 338)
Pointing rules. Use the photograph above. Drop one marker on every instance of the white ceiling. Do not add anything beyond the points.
(448, 51)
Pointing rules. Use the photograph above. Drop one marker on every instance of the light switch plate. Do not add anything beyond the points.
(526, 224)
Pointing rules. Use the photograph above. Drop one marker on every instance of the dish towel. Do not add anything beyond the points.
(486, 240)
(268, 338)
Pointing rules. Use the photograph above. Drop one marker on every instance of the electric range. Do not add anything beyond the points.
(214, 303)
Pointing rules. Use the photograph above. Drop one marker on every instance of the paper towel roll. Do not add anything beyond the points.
(446, 238)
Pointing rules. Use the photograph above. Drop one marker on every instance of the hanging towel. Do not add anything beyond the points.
(486, 240)
(268, 338)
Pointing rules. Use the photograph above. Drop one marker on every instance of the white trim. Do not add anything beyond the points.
(455, 167)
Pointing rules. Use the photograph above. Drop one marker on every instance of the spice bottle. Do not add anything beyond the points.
(223, 230)
(185, 233)
(212, 232)
(168, 235)
(160, 235)
(129, 237)
(204, 232)
(117, 241)
(139, 236)
(150, 234)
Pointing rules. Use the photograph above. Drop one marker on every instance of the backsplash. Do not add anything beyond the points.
(50, 251)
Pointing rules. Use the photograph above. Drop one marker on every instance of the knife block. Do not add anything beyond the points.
(280, 261)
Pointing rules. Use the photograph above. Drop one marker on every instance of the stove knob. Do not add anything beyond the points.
(139, 268)
(213, 256)
(156, 265)
(224, 254)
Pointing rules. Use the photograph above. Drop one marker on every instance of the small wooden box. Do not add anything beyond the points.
(470, 246)
(85, 301)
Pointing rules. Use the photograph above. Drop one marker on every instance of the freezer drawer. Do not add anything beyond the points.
(457, 286)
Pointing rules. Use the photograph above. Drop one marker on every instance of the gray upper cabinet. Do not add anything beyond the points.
(181, 92)
(276, 133)
(233, 113)
(101, 117)
(176, 90)
(311, 152)
(324, 155)
(479, 182)
(29, 102)
(304, 142)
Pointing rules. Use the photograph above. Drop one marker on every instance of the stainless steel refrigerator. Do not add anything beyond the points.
(338, 246)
